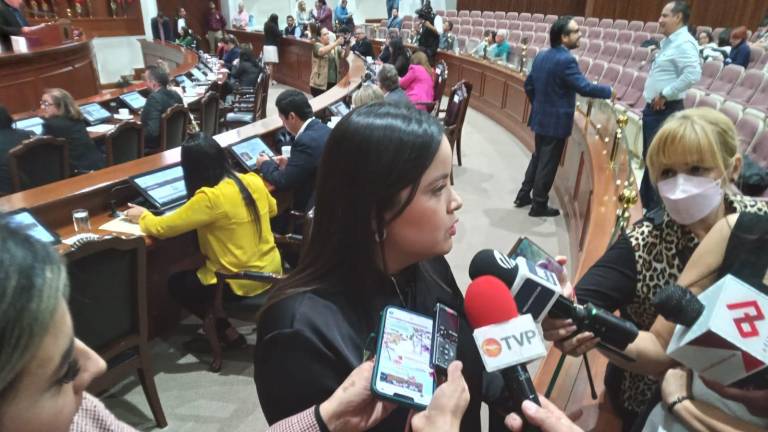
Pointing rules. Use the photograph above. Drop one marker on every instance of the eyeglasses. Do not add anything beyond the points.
(45, 104)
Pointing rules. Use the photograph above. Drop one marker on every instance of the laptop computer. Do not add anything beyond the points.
(339, 109)
(95, 113)
(185, 82)
(163, 188)
(32, 124)
(134, 100)
(23, 220)
(198, 76)
(247, 151)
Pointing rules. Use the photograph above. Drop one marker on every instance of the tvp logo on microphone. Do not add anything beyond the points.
(745, 322)
(509, 343)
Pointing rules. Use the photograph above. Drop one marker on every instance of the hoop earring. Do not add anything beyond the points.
(381, 238)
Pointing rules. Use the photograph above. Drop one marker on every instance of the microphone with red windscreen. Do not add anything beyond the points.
(505, 339)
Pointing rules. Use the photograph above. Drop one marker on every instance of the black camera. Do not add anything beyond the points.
(425, 12)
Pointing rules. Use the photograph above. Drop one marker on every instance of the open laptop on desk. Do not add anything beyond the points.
(23, 220)
(163, 188)
(247, 151)
(95, 113)
(185, 82)
(32, 124)
(134, 100)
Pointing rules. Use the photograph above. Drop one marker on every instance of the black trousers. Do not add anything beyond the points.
(652, 121)
(314, 91)
(187, 290)
(540, 174)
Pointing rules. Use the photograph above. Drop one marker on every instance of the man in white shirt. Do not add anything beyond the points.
(675, 69)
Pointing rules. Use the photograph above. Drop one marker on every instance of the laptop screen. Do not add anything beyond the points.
(164, 186)
(24, 221)
(95, 113)
(248, 151)
(134, 100)
(199, 76)
(32, 124)
(184, 81)
(340, 109)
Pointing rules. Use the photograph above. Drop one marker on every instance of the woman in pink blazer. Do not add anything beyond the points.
(419, 82)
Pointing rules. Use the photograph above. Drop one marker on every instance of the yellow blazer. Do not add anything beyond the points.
(225, 232)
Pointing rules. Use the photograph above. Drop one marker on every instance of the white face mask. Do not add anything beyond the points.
(689, 199)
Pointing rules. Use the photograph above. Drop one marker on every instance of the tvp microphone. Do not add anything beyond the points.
(537, 292)
(506, 340)
(727, 341)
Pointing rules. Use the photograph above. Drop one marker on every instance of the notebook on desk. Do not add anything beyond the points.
(32, 124)
(247, 151)
(23, 220)
(163, 188)
(134, 100)
(95, 113)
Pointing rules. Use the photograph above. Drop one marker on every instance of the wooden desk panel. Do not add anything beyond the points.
(23, 77)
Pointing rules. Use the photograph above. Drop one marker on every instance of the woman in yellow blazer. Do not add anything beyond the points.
(230, 213)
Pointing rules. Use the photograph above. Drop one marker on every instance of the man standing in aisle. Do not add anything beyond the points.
(392, 4)
(675, 69)
(551, 87)
(215, 24)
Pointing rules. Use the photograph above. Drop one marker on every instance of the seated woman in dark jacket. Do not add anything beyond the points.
(399, 56)
(62, 119)
(9, 138)
(247, 72)
(381, 228)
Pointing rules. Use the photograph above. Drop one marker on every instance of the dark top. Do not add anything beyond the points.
(83, 154)
(215, 21)
(9, 138)
(384, 55)
(401, 63)
(272, 34)
(165, 24)
(364, 48)
(230, 57)
(398, 97)
(309, 343)
(551, 87)
(429, 39)
(739, 55)
(11, 22)
(299, 174)
(745, 255)
(157, 103)
(246, 74)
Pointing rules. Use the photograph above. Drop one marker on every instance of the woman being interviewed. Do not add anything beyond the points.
(385, 215)
(230, 213)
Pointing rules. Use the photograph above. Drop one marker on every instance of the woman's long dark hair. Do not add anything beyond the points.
(373, 154)
(205, 164)
(396, 49)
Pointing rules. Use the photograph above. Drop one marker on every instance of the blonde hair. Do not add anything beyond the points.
(697, 136)
(421, 59)
(367, 93)
(64, 103)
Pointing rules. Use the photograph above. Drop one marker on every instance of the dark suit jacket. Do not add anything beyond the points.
(398, 97)
(364, 48)
(246, 74)
(301, 170)
(168, 32)
(9, 138)
(551, 86)
(9, 25)
(83, 154)
(157, 103)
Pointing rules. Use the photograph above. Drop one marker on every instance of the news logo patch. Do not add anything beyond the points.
(509, 343)
(491, 347)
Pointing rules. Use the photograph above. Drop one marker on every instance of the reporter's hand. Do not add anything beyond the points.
(261, 159)
(560, 331)
(448, 404)
(352, 407)
(756, 401)
(546, 417)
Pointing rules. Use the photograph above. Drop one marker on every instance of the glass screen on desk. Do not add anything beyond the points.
(165, 186)
(248, 151)
(25, 222)
(134, 100)
(34, 125)
(197, 74)
(184, 81)
(94, 113)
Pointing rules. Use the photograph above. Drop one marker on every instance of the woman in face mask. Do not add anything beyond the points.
(693, 161)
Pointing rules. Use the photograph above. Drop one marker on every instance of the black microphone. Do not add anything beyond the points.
(537, 292)
(678, 305)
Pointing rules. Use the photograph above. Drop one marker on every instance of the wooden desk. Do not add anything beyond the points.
(52, 204)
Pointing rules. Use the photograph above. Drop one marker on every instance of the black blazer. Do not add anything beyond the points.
(9, 25)
(83, 154)
(246, 74)
(301, 170)
(168, 32)
(9, 138)
(157, 103)
(309, 342)
(364, 48)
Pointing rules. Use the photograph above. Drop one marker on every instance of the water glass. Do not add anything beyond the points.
(82, 221)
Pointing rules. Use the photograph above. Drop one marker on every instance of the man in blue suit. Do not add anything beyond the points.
(297, 172)
(551, 87)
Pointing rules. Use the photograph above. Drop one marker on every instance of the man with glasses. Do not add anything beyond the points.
(362, 45)
(551, 87)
